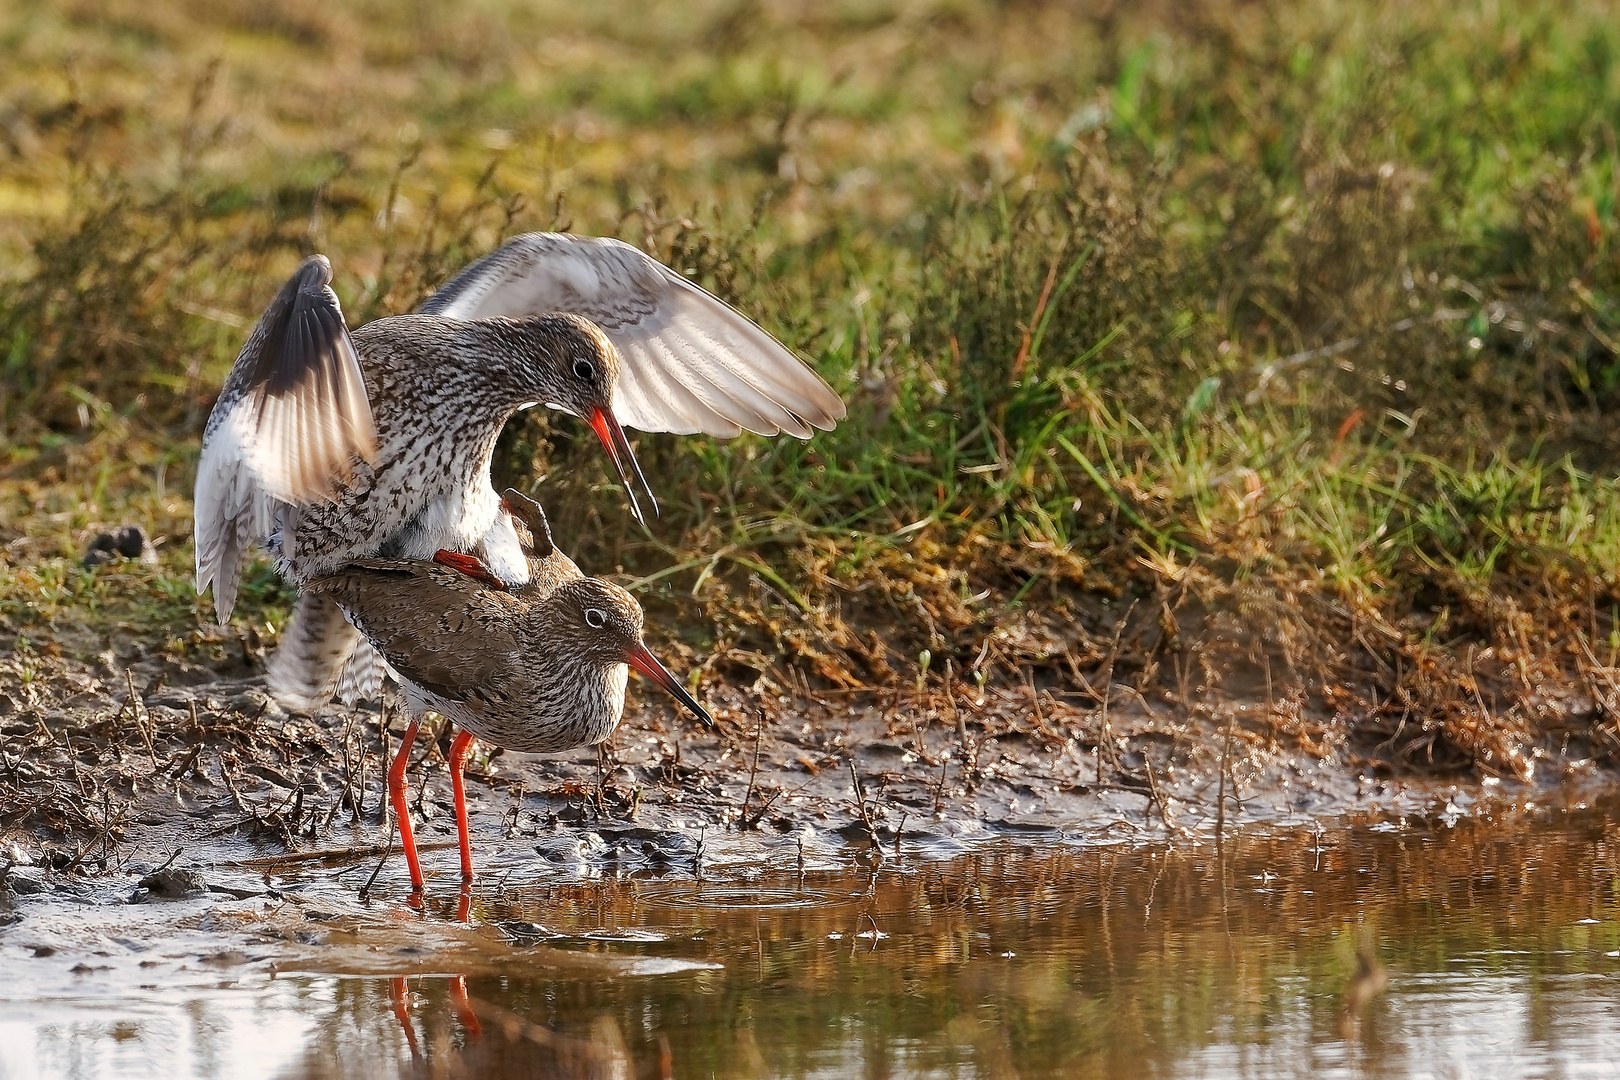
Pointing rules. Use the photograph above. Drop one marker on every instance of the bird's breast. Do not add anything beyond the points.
(549, 718)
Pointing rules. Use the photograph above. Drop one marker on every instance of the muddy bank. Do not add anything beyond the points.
(110, 770)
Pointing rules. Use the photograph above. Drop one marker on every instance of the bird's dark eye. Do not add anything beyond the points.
(595, 618)
(584, 369)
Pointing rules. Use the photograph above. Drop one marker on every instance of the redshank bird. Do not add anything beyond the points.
(548, 569)
(534, 671)
(330, 446)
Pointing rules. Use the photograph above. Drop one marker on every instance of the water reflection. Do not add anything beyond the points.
(1491, 948)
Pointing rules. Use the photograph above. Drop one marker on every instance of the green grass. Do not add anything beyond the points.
(1309, 310)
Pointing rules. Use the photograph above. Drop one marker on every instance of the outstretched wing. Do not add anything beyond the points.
(692, 363)
(291, 419)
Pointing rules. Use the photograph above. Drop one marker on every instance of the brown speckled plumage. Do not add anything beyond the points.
(524, 674)
(541, 668)
(297, 457)
(429, 486)
(538, 668)
(429, 489)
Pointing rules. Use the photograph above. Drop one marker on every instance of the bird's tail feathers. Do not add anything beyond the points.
(314, 652)
(362, 677)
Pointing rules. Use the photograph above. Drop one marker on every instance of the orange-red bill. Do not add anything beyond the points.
(611, 432)
(645, 662)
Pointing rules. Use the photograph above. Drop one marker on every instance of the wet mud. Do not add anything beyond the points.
(117, 769)
(178, 805)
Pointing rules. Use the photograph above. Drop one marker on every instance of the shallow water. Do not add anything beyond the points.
(1479, 947)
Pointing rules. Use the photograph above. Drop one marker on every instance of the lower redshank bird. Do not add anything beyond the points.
(329, 446)
(538, 674)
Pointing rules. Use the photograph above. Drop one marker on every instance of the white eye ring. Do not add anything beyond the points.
(595, 618)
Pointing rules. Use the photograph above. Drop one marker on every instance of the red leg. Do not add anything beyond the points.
(470, 565)
(402, 815)
(396, 996)
(458, 757)
(464, 1010)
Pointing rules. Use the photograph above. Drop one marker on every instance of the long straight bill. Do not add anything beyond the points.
(646, 663)
(608, 429)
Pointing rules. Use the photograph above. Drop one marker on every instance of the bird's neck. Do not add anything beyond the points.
(513, 362)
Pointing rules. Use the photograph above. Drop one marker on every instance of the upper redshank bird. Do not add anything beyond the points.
(330, 446)
(534, 670)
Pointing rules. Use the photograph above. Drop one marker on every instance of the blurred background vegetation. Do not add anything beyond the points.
(1296, 320)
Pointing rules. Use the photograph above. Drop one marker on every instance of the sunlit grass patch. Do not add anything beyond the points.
(1305, 315)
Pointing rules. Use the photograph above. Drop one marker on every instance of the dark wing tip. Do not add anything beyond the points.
(301, 372)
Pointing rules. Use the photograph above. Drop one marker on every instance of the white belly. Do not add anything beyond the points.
(472, 521)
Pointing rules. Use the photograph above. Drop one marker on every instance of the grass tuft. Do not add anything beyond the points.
(1293, 326)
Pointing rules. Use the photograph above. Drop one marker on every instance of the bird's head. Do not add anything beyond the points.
(605, 623)
(581, 365)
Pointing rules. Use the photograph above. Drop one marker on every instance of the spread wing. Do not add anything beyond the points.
(286, 429)
(434, 625)
(692, 363)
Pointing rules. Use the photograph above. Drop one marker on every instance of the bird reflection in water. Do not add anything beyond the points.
(510, 1046)
(1366, 983)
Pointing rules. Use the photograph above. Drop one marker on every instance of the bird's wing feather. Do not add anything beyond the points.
(291, 419)
(233, 513)
(692, 363)
(465, 642)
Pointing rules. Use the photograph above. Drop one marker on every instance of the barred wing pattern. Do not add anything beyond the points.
(692, 363)
(290, 422)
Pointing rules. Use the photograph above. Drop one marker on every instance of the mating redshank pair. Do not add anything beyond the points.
(362, 461)
(331, 447)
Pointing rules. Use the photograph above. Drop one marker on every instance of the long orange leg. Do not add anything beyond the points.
(460, 1002)
(396, 996)
(458, 758)
(402, 814)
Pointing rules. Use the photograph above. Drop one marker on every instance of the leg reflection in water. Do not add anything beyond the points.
(460, 1003)
(458, 984)
(397, 997)
(513, 1046)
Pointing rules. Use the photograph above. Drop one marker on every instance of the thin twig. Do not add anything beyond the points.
(860, 805)
(169, 861)
(1105, 735)
(388, 849)
(136, 707)
(1220, 796)
(753, 771)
